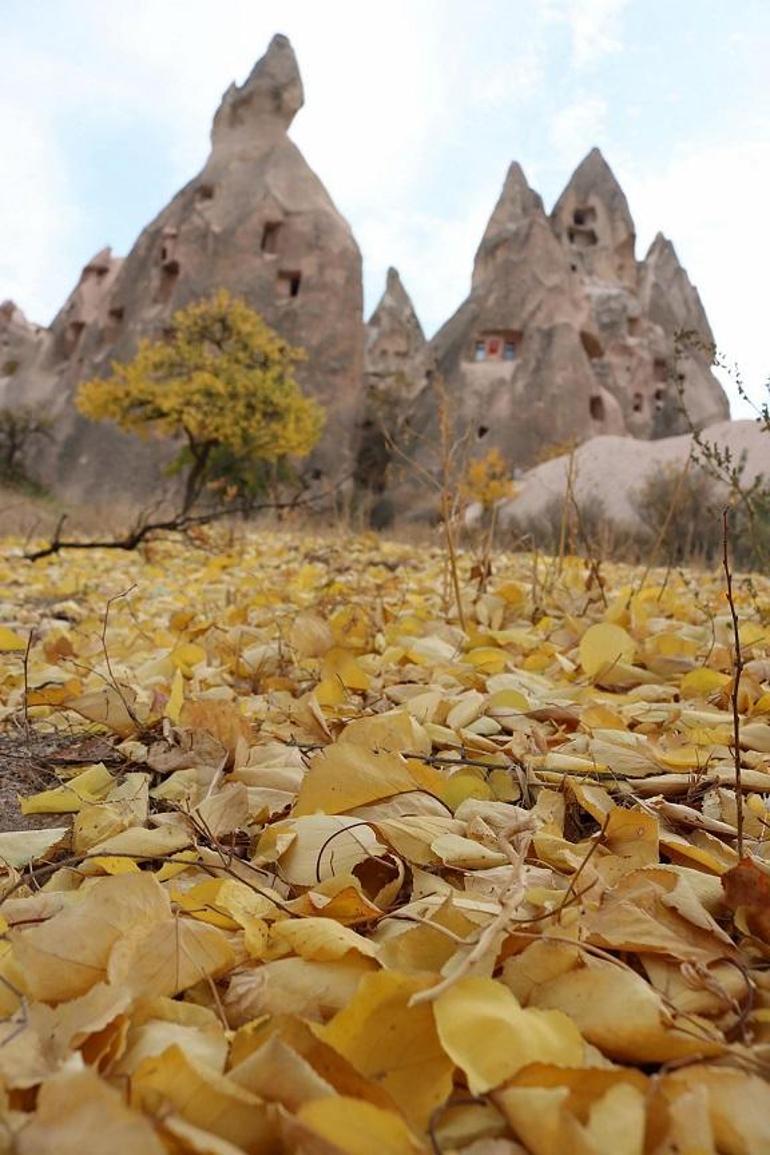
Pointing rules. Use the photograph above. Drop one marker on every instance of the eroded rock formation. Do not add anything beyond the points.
(563, 336)
(256, 220)
(397, 368)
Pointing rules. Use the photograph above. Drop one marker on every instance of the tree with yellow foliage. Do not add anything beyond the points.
(487, 480)
(221, 380)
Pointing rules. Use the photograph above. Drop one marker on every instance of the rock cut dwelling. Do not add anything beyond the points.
(564, 333)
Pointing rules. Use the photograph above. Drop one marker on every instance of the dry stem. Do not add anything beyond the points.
(738, 670)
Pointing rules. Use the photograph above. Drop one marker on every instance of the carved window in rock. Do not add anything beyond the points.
(114, 320)
(270, 236)
(72, 335)
(169, 275)
(660, 399)
(205, 192)
(288, 284)
(591, 344)
(496, 346)
(596, 407)
(168, 247)
(581, 233)
(638, 404)
(584, 216)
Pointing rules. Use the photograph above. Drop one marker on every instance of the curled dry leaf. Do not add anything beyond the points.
(292, 905)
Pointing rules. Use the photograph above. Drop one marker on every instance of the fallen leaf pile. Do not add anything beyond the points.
(347, 878)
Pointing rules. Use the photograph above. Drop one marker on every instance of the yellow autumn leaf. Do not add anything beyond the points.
(341, 666)
(81, 791)
(702, 682)
(490, 1036)
(176, 697)
(389, 1041)
(319, 938)
(10, 641)
(358, 1128)
(346, 775)
(66, 955)
(603, 645)
(74, 1107)
(204, 1098)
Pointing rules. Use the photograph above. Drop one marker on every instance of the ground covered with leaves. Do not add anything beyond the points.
(301, 865)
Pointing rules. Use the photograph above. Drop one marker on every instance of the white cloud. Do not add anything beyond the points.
(577, 127)
(433, 253)
(38, 218)
(511, 81)
(595, 27)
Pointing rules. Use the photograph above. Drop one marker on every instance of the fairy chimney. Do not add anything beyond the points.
(257, 221)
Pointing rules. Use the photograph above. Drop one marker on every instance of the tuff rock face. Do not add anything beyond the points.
(21, 343)
(396, 371)
(564, 335)
(255, 220)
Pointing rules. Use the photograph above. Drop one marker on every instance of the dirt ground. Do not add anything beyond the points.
(29, 759)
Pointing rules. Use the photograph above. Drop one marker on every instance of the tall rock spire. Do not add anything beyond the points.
(667, 293)
(396, 369)
(393, 333)
(264, 105)
(672, 303)
(592, 220)
(516, 206)
(257, 221)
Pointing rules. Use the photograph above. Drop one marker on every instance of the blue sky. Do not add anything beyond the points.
(414, 109)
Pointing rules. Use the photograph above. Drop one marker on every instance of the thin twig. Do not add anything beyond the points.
(175, 523)
(25, 705)
(737, 671)
(114, 681)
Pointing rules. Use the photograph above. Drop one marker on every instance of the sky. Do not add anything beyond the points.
(414, 110)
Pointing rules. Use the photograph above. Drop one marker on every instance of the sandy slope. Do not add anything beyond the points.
(611, 468)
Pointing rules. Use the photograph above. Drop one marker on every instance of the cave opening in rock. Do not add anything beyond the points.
(582, 238)
(288, 284)
(584, 216)
(114, 321)
(596, 407)
(638, 403)
(270, 234)
(500, 345)
(72, 336)
(591, 344)
(169, 275)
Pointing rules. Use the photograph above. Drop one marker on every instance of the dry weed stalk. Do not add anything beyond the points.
(447, 463)
(510, 901)
(676, 497)
(737, 671)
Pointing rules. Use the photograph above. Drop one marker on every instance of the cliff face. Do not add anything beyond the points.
(564, 334)
(256, 220)
(397, 368)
